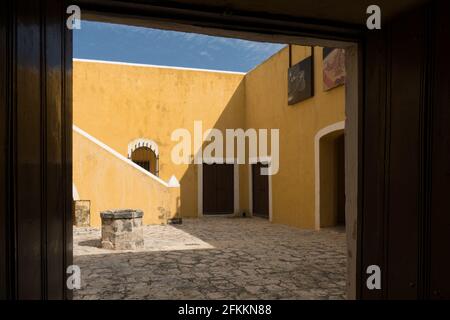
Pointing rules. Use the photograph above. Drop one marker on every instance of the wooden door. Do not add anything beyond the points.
(218, 188)
(260, 191)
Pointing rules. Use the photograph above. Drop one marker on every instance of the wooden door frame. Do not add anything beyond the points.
(35, 30)
(248, 25)
(36, 96)
(367, 122)
(251, 26)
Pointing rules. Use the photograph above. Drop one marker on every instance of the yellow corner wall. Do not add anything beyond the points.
(117, 103)
(110, 183)
(267, 107)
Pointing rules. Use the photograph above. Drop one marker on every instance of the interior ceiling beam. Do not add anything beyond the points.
(221, 22)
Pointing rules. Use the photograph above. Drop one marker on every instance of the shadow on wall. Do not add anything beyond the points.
(261, 102)
(232, 117)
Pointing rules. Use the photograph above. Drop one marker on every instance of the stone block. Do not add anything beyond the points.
(122, 229)
(82, 213)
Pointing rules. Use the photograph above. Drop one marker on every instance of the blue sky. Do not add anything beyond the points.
(104, 41)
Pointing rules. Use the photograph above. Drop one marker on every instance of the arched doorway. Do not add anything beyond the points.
(330, 176)
(145, 153)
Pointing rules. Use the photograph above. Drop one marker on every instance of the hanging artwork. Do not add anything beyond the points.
(333, 68)
(300, 81)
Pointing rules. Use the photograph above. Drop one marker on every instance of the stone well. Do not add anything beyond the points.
(122, 229)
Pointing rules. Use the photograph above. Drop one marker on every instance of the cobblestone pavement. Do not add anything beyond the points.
(215, 258)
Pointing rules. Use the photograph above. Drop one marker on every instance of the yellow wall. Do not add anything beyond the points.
(110, 183)
(118, 103)
(267, 107)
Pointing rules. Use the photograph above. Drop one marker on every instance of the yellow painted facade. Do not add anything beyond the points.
(118, 103)
(293, 188)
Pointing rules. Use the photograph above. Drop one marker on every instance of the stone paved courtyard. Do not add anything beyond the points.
(215, 258)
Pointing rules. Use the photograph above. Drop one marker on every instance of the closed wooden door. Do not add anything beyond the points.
(260, 189)
(218, 188)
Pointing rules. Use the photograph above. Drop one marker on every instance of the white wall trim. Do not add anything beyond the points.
(118, 155)
(142, 143)
(264, 160)
(200, 182)
(75, 194)
(156, 66)
(323, 132)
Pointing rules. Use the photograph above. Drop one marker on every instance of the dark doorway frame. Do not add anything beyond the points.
(273, 28)
(35, 98)
(51, 22)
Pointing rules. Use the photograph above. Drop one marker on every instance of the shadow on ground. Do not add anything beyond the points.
(235, 259)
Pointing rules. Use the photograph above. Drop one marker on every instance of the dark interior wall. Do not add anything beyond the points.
(36, 115)
(405, 79)
(391, 140)
(438, 222)
(3, 152)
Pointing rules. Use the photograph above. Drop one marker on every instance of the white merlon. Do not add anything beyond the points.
(173, 182)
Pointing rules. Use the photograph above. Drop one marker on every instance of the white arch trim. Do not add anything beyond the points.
(142, 142)
(323, 132)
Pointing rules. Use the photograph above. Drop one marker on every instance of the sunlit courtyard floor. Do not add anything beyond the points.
(215, 258)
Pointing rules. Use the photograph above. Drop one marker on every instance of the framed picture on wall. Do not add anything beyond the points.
(301, 81)
(333, 68)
